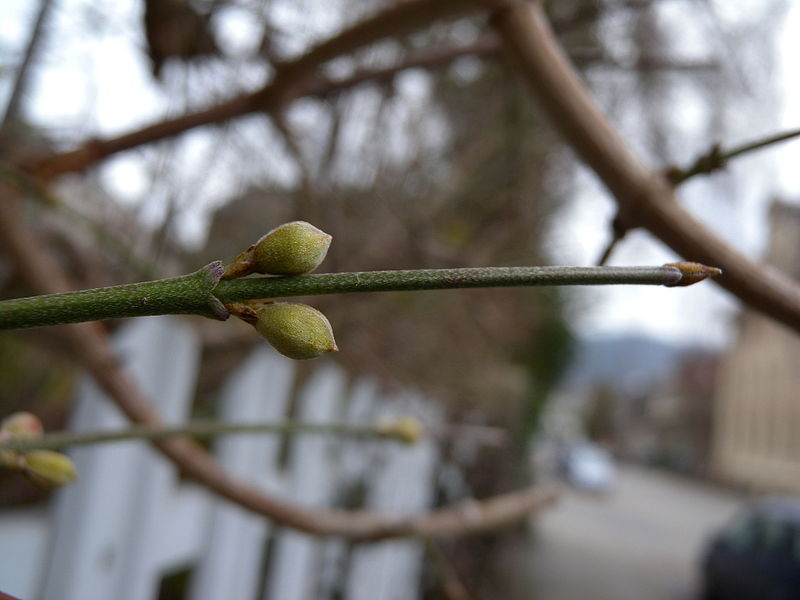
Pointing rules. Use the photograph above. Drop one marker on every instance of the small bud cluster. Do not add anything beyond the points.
(295, 330)
(45, 468)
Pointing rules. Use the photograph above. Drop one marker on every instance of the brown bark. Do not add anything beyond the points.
(644, 196)
(292, 80)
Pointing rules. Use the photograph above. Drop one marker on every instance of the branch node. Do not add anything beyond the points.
(212, 273)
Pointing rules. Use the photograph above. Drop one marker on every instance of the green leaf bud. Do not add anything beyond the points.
(291, 249)
(295, 330)
(49, 469)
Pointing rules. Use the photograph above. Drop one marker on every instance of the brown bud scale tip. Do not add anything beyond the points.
(692, 272)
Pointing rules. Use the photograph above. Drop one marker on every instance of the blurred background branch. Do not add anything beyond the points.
(645, 197)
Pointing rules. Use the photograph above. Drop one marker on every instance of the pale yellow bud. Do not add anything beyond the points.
(404, 429)
(295, 330)
(291, 249)
(49, 469)
(21, 424)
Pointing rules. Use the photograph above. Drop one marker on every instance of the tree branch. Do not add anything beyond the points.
(90, 347)
(484, 47)
(20, 85)
(645, 197)
(197, 429)
(292, 80)
(715, 159)
(202, 293)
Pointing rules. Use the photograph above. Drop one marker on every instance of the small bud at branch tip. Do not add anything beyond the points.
(691, 273)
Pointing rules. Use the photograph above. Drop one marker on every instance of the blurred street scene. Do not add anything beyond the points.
(643, 539)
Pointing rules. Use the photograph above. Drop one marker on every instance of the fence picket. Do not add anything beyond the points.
(107, 524)
(401, 485)
(231, 563)
(297, 556)
(129, 520)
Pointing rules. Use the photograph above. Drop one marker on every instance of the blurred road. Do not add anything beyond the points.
(641, 541)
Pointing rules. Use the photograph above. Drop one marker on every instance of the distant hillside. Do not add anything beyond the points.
(626, 363)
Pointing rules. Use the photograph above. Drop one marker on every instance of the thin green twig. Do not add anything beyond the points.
(196, 429)
(188, 294)
(202, 293)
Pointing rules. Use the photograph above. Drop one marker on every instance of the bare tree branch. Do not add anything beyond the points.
(290, 82)
(716, 158)
(645, 197)
(307, 201)
(485, 47)
(452, 586)
(295, 79)
(20, 85)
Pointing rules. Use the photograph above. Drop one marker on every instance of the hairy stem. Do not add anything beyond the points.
(439, 279)
(202, 293)
(188, 294)
(196, 429)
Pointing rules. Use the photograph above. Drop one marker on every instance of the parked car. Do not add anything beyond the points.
(588, 467)
(757, 555)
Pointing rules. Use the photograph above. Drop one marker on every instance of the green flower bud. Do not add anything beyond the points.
(49, 469)
(291, 249)
(405, 429)
(21, 424)
(295, 330)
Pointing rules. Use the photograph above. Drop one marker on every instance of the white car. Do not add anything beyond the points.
(589, 468)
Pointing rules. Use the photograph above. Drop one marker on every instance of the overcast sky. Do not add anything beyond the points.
(701, 314)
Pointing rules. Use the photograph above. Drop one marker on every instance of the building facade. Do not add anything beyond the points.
(756, 432)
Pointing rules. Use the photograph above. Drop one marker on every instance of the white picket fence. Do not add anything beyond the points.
(129, 521)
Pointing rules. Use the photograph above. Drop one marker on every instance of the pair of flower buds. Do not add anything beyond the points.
(46, 468)
(295, 330)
